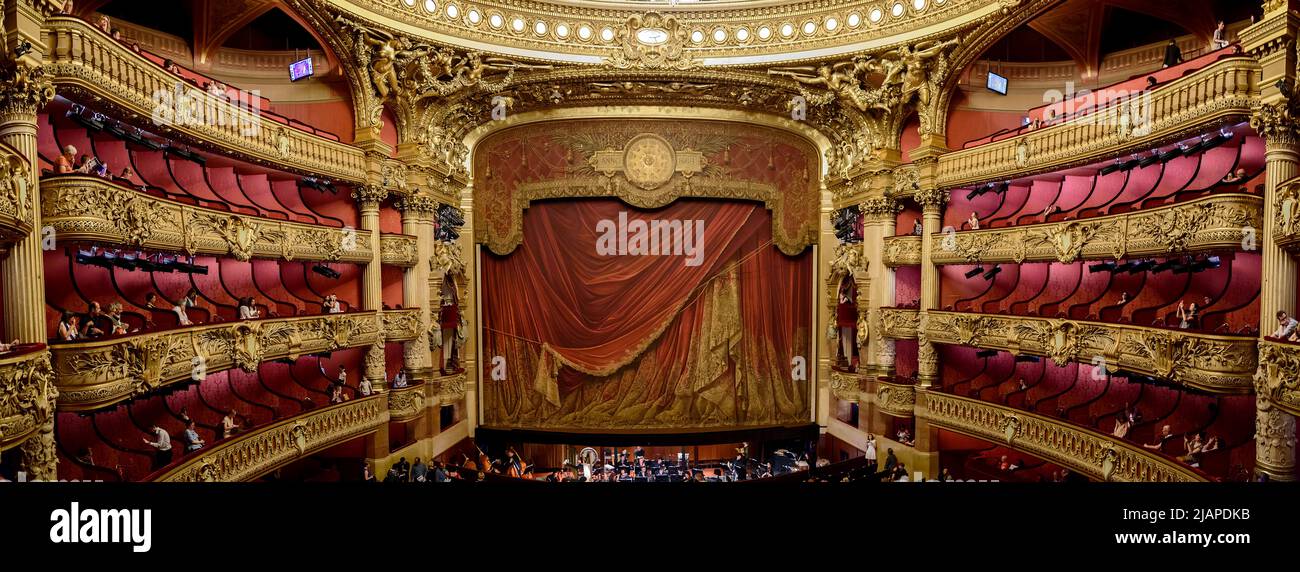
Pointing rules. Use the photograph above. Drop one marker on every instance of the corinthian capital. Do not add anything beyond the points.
(931, 199)
(369, 195)
(24, 89)
(1275, 123)
(418, 204)
(880, 208)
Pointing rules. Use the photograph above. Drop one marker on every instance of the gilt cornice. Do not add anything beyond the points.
(1100, 457)
(93, 209)
(1214, 363)
(98, 373)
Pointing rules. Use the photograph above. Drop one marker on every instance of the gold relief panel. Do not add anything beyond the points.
(1286, 216)
(1279, 375)
(402, 325)
(16, 195)
(98, 373)
(902, 251)
(27, 395)
(87, 208)
(846, 386)
(1215, 363)
(647, 163)
(896, 399)
(900, 323)
(1222, 92)
(1098, 456)
(406, 403)
(398, 250)
(451, 388)
(84, 59)
(1216, 222)
(262, 450)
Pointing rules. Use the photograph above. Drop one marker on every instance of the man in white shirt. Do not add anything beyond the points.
(1285, 325)
(163, 443)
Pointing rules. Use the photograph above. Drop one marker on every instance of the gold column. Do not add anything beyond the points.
(418, 210)
(470, 312)
(824, 308)
(879, 220)
(1272, 42)
(368, 199)
(931, 201)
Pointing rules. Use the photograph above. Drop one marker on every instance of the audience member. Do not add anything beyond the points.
(64, 163)
(973, 221)
(69, 329)
(190, 300)
(248, 309)
(163, 444)
(1286, 325)
(1236, 177)
(90, 326)
(365, 388)
(1220, 37)
(192, 440)
(1164, 437)
(1173, 55)
(104, 25)
(229, 424)
(419, 472)
(10, 346)
(116, 325)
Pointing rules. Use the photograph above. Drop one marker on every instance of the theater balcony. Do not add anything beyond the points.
(1280, 368)
(406, 403)
(253, 454)
(85, 208)
(1220, 93)
(85, 63)
(98, 373)
(1207, 224)
(1095, 455)
(1213, 363)
(26, 398)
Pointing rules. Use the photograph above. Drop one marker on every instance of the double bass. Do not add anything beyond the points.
(516, 467)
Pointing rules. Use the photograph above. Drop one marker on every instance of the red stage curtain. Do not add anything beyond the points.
(645, 341)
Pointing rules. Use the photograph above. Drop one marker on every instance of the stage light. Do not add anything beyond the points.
(1103, 267)
(22, 49)
(1108, 169)
(1153, 159)
(1163, 266)
(1142, 266)
(1027, 359)
(986, 353)
(326, 271)
(993, 272)
(976, 272)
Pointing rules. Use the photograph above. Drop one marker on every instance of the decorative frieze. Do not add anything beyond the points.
(402, 325)
(899, 323)
(1093, 454)
(1216, 363)
(896, 399)
(406, 403)
(1217, 222)
(1279, 375)
(92, 209)
(97, 373)
(16, 195)
(251, 455)
(398, 250)
(902, 251)
(27, 395)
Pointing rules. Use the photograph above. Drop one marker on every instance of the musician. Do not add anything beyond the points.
(515, 465)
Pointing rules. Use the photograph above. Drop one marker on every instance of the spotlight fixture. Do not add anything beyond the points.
(993, 272)
(1027, 359)
(1111, 168)
(1103, 267)
(1151, 160)
(986, 353)
(326, 271)
(23, 48)
(975, 272)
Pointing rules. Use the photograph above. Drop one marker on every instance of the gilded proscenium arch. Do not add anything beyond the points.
(679, 186)
(82, 59)
(1100, 457)
(1222, 364)
(92, 209)
(1222, 93)
(937, 18)
(1212, 223)
(264, 449)
(98, 373)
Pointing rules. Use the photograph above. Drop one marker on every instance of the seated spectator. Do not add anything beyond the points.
(84, 165)
(171, 67)
(104, 25)
(192, 440)
(116, 325)
(135, 47)
(248, 309)
(419, 472)
(65, 163)
(90, 326)
(67, 8)
(1151, 81)
(1004, 464)
(216, 89)
(151, 301)
(229, 424)
(1122, 426)
(1235, 177)
(1159, 444)
(69, 328)
(117, 34)
(973, 221)
(1286, 325)
(190, 300)
(917, 228)
(399, 380)
(337, 396)
(1193, 446)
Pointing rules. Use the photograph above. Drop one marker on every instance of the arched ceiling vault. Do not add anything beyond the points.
(1077, 25)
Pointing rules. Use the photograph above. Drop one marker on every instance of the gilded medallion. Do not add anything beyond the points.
(649, 161)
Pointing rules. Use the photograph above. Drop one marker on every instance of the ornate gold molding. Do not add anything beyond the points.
(846, 386)
(398, 250)
(24, 89)
(92, 209)
(1216, 222)
(1215, 363)
(1279, 375)
(1286, 216)
(902, 251)
(451, 388)
(900, 323)
(402, 325)
(27, 395)
(896, 399)
(253, 454)
(16, 195)
(406, 403)
(1223, 92)
(1098, 456)
(98, 373)
(84, 59)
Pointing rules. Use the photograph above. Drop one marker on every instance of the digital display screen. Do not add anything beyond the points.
(997, 83)
(300, 69)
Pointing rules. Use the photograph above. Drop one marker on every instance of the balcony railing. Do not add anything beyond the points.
(899, 323)
(902, 251)
(102, 372)
(1280, 364)
(93, 209)
(1222, 92)
(406, 403)
(398, 250)
(1215, 222)
(1098, 456)
(84, 59)
(896, 399)
(402, 325)
(262, 450)
(1216, 363)
(26, 393)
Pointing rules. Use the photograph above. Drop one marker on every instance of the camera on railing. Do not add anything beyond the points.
(846, 225)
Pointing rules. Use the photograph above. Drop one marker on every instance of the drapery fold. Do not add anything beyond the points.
(645, 341)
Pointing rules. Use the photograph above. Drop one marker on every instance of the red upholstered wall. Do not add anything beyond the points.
(907, 285)
(332, 116)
